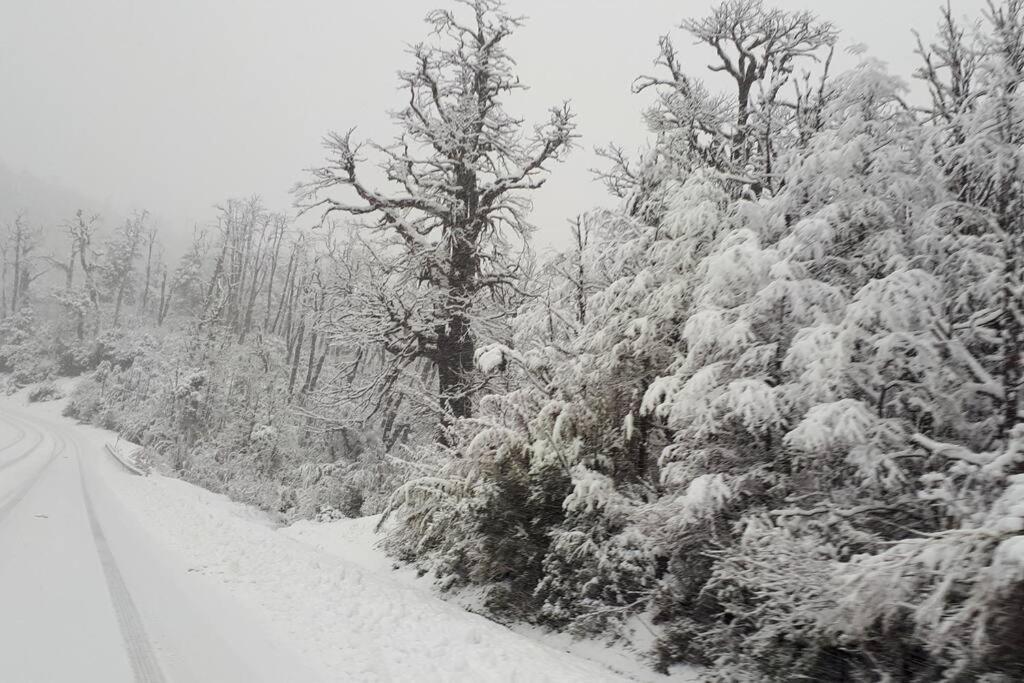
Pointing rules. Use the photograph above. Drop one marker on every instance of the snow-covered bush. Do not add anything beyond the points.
(45, 391)
(24, 353)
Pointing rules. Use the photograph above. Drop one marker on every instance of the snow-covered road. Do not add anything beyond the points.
(85, 595)
(105, 576)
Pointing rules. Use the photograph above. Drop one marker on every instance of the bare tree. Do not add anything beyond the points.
(153, 250)
(248, 245)
(67, 265)
(119, 261)
(82, 231)
(458, 172)
(24, 241)
(759, 49)
(949, 65)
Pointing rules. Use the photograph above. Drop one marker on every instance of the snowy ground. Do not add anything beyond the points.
(356, 541)
(218, 593)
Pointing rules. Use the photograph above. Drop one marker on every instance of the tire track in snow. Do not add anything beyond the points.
(17, 439)
(12, 500)
(21, 437)
(139, 649)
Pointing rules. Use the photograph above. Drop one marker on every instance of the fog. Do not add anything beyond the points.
(175, 106)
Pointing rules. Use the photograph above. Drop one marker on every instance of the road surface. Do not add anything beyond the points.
(86, 595)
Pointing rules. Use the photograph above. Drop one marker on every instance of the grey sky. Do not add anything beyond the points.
(176, 105)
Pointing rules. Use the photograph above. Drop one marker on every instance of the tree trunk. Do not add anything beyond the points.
(17, 268)
(217, 270)
(90, 282)
(296, 355)
(741, 154)
(293, 301)
(273, 272)
(164, 305)
(118, 302)
(288, 283)
(319, 368)
(149, 266)
(3, 282)
(455, 350)
(69, 280)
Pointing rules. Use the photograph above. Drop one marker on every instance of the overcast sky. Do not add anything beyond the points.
(176, 105)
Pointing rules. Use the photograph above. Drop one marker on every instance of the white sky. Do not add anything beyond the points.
(176, 105)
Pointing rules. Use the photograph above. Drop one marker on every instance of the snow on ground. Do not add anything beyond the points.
(326, 592)
(356, 541)
(89, 594)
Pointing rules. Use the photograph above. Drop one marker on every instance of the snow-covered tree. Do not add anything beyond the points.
(785, 428)
(119, 264)
(743, 134)
(459, 176)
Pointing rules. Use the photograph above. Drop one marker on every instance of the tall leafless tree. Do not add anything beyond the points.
(24, 241)
(458, 174)
(120, 261)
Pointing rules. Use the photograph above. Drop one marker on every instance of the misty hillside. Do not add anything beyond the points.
(42, 201)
